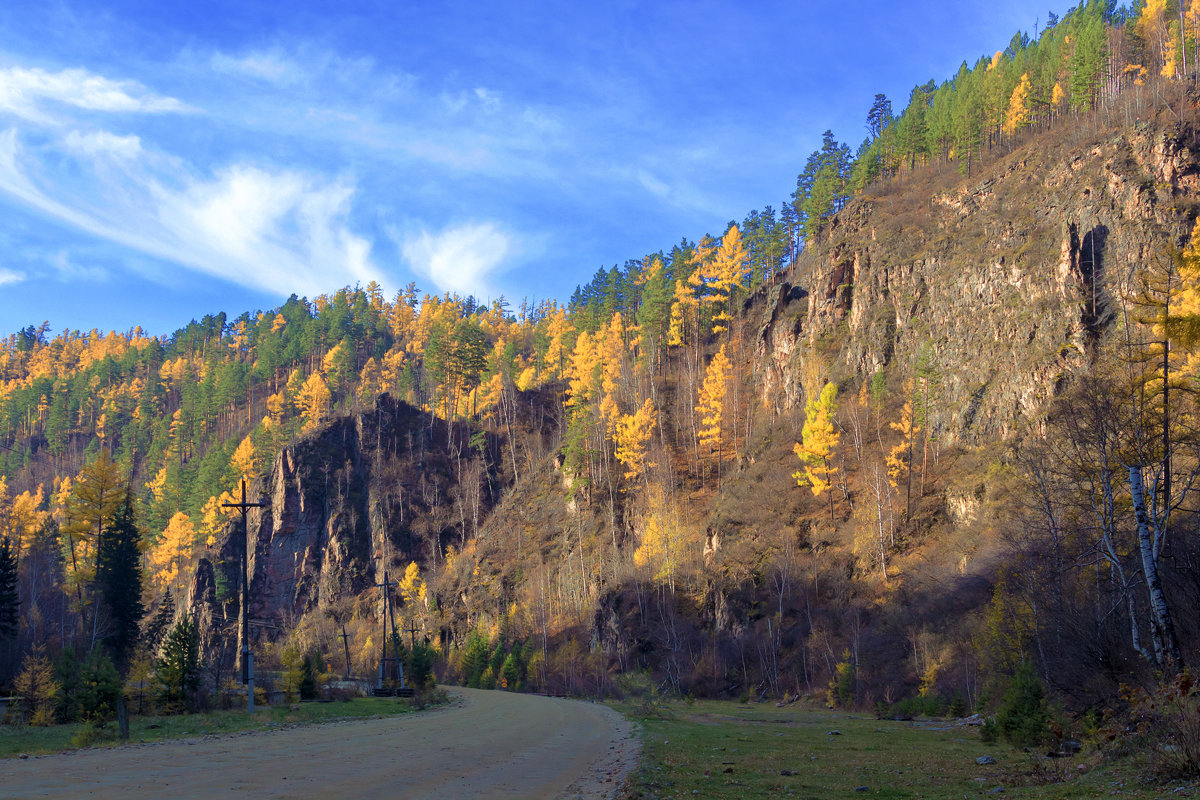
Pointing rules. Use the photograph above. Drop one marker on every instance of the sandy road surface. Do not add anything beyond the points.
(490, 744)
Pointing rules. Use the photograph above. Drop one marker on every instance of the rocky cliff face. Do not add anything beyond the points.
(362, 494)
(1008, 279)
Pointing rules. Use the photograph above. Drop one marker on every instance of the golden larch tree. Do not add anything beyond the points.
(819, 438)
(172, 550)
(313, 400)
(585, 364)
(1018, 114)
(245, 459)
(899, 460)
(370, 381)
(632, 435)
(711, 406)
(726, 272)
(663, 537)
(412, 586)
(95, 496)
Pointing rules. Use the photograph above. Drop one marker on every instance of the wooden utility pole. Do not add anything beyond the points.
(412, 635)
(346, 646)
(247, 658)
(397, 673)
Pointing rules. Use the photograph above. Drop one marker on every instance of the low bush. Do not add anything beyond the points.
(1162, 728)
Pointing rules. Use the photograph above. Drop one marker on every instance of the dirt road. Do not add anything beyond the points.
(488, 744)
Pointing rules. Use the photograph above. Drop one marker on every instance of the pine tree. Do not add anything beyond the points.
(178, 668)
(119, 576)
(10, 601)
(1022, 716)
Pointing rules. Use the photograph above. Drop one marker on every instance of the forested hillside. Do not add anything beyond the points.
(930, 422)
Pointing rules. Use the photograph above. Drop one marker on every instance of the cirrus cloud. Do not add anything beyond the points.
(24, 92)
(281, 231)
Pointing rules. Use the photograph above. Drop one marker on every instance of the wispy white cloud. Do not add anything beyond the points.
(272, 66)
(68, 270)
(102, 144)
(279, 230)
(25, 92)
(461, 258)
(8, 276)
(652, 184)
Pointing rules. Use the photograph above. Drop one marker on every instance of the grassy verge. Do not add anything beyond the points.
(728, 750)
(15, 740)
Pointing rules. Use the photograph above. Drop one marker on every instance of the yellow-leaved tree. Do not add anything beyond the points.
(819, 438)
(684, 299)
(26, 518)
(726, 273)
(96, 494)
(632, 436)
(899, 460)
(412, 586)
(1018, 114)
(663, 539)
(370, 381)
(313, 399)
(172, 550)
(585, 378)
(245, 459)
(711, 406)
(215, 515)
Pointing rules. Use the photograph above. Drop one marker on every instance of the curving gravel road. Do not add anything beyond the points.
(487, 744)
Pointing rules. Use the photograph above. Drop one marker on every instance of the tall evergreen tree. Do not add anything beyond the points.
(178, 668)
(9, 600)
(119, 577)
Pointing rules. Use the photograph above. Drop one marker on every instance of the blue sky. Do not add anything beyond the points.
(160, 161)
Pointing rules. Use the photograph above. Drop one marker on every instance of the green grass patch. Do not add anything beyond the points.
(27, 739)
(728, 750)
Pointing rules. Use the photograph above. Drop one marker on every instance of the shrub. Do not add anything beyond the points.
(1164, 727)
(92, 732)
(429, 697)
(340, 694)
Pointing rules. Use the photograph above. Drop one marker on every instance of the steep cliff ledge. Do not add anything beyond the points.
(1007, 279)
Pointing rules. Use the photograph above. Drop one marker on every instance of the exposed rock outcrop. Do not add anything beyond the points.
(1008, 281)
(359, 495)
